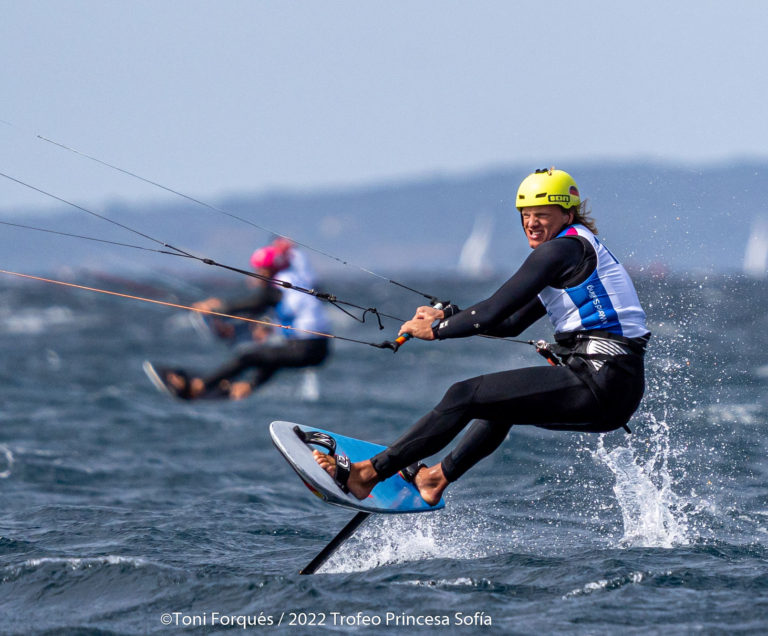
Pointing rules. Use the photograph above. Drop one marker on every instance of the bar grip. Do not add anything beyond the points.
(402, 339)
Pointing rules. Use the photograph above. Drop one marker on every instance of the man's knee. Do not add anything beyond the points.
(458, 395)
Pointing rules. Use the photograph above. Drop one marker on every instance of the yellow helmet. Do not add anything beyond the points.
(548, 186)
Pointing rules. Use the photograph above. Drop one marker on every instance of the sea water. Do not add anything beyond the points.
(125, 512)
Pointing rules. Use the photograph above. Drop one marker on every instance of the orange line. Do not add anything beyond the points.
(166, 304)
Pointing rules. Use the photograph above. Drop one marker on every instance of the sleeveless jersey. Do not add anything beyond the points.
(297, 309)
(607, 300)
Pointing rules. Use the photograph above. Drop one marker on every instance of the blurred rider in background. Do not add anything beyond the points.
(295, 348)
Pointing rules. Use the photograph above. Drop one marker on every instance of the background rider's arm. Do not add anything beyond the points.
(515, 305)
(259, 301)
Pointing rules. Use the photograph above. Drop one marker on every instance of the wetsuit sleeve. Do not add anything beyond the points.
(520, 320)
(261, 300)
(515, 305)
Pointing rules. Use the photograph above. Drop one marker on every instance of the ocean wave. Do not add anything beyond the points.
(614, 583)
(6, 463)
(34, 567)
(37, 321)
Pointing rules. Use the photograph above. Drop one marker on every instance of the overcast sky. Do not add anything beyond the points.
(221, 96)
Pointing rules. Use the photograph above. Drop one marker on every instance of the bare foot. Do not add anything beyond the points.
(431, 483)
(179, 383)
(362, 476)
(240, 390)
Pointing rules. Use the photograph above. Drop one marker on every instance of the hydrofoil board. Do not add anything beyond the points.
(392, 496)
(156, 378)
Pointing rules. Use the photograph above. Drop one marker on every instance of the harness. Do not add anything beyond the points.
(600, 346)
(595, 348)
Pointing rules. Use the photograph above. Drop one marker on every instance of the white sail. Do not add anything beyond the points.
(473, 259)
(756, 252)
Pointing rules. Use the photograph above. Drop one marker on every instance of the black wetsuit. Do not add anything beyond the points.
(591, 392)
(264, 358)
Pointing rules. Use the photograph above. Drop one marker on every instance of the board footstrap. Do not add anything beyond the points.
(343, 465)
(317, 438)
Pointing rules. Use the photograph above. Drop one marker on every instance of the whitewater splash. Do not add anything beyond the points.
(653, 514)
(406, 538)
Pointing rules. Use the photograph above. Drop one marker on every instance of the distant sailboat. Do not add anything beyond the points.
(756, 252)
(473, 259)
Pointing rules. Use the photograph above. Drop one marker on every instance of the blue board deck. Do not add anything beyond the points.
(392, 496)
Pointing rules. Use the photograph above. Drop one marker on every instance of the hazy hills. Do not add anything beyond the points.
(651, 215)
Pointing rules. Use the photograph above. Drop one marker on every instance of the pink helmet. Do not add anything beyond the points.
(282, 244)
(270, 257)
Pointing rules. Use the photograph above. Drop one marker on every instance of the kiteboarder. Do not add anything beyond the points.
(299, 345)
(597, 380)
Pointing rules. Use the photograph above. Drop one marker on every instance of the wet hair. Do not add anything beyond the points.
(582, 216)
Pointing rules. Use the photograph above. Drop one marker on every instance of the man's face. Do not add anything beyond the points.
(543, 222)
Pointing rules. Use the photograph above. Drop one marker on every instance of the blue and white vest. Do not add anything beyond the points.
(297, 309)
(607, 300)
